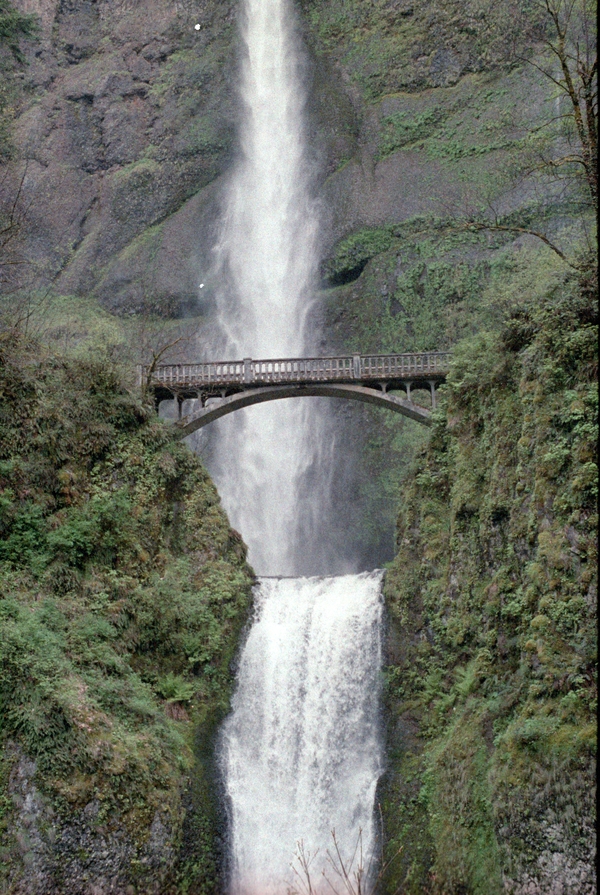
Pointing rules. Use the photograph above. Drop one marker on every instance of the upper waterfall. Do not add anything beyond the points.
(267, 249)
(266, 261)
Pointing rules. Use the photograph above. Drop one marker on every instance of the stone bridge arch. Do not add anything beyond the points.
(227, 386)
(222, 406)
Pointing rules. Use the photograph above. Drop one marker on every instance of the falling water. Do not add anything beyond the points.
(301, 748)
(266, 259)
(300, 752)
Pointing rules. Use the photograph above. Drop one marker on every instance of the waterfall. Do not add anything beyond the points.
(266, 267)
(301, 748)
(300, 752)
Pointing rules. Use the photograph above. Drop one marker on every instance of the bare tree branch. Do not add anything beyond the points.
(481, 225)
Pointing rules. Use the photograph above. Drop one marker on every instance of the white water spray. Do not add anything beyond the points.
(300, 752)
(301, 749)
(266, 265)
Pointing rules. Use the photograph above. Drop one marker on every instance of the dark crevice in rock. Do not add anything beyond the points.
(343, 277)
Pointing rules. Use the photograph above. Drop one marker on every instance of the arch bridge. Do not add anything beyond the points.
(226, 386)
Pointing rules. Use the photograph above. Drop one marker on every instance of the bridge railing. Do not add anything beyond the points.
(310, 369)
(196, 374)
(404, 365)
(302, 369)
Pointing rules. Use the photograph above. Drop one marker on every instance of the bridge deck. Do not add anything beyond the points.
(229, 377)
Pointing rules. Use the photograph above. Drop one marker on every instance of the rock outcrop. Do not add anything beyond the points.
(127, 124)
(127, 114)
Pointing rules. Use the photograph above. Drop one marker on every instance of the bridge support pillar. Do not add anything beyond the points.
(408, 386)
(179, 400)
(432, 387)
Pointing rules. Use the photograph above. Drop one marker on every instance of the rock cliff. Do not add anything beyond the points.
(127, 115)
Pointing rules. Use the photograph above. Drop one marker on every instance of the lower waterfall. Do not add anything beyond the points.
(301, 751)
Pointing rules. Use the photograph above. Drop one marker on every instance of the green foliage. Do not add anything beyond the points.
(352, 254)
(425, 285)
(23, 529)
(386, 48)
(492, 599)
(174, 688)
(14, 26)
(402, 128)
(122, 595)
(97, 528)
(467, 120)
(461, 821)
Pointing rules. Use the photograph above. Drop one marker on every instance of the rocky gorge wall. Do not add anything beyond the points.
(491, 682)
(126, 122)
(123, 592)
(126, 113)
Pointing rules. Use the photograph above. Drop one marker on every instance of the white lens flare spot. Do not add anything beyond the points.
(201, 285)
(197, 27)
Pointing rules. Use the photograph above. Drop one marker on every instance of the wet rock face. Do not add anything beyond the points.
(81, 856)
(78, 25)
(549, 842)
(128, 122)
(127, 113)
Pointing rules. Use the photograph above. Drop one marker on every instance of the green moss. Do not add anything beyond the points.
(14, 26)
(205, 135)
(123, 592)
(491, 600)
(352, 254)
(460, 808)
(138, 174)
(188, 67)
(386, 48)
(6, 805)
(14, 29)
(403, 129)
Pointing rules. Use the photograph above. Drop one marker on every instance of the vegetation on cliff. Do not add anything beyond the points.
(14, 26)
(491, 683)
(122, 594)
